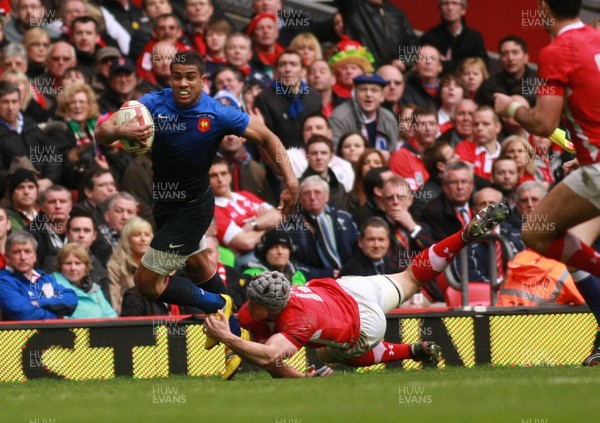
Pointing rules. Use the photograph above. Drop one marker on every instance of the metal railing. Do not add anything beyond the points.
(462, 285)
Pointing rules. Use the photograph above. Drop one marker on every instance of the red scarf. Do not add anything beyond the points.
(270, 58)
(245, 70)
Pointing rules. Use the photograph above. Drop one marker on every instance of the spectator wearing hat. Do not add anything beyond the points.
(365, 114)
(263, 32)
(121, 86)
(276, 251)
(285, 104)
(23, 195)
(104, 59)
(274, 7)
(21, 137)
(351, 60)
(84, 37)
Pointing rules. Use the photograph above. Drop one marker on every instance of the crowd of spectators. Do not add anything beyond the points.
(393, 151)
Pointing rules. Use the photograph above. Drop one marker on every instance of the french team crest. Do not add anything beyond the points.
(204, 124)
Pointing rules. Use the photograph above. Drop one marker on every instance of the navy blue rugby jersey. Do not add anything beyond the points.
(186, 140)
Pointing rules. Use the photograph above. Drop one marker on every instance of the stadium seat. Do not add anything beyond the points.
(479, 295)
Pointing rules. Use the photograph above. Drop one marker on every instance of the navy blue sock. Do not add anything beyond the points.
(589, 288)
(215, 284)
(182, 291)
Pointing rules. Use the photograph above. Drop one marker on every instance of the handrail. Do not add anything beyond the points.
(463, 270)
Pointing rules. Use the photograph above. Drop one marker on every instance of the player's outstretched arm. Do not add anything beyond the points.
(269, 355)
(261, 135)
(541, 120)
(110, 131)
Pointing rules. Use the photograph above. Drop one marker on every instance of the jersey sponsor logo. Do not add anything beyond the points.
(204, 125)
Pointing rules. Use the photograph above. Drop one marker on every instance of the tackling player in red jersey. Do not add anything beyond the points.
(343, 319)
(569, 71)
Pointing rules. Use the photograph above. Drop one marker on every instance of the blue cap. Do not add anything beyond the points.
(369, 78)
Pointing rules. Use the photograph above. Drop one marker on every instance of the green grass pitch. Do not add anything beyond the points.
(482, 395)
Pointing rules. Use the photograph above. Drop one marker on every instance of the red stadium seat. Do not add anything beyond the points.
(479, 295)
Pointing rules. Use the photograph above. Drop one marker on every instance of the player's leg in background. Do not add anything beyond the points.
(562, 209)
(589, 285)
(159, 285)
(202, 270)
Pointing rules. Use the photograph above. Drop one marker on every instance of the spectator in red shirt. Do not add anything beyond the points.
(408, 160)
(485, 148)
(462, 123)
(241, 217)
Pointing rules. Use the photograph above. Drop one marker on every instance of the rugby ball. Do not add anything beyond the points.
(131, 110)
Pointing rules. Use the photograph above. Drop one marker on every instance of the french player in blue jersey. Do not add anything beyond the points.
(188, 128)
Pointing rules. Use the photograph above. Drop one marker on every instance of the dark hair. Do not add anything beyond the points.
(219, 25)
(348, 135)
(425, 110)
(8, 88)
(220, 160)
(486, 108)
(80, 211)
(316, 115)
(568, 9)
(87, 180)
(290, 51)
(521, 42)
(433, 155)
(451, 76)
(166, 16)
(373, 222)
(239, 75)
(502, 159)
(373, 180)
(188, 57)
(84, 19)
(319, 138)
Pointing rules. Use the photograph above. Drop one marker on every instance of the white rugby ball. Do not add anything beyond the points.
(128, 111)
